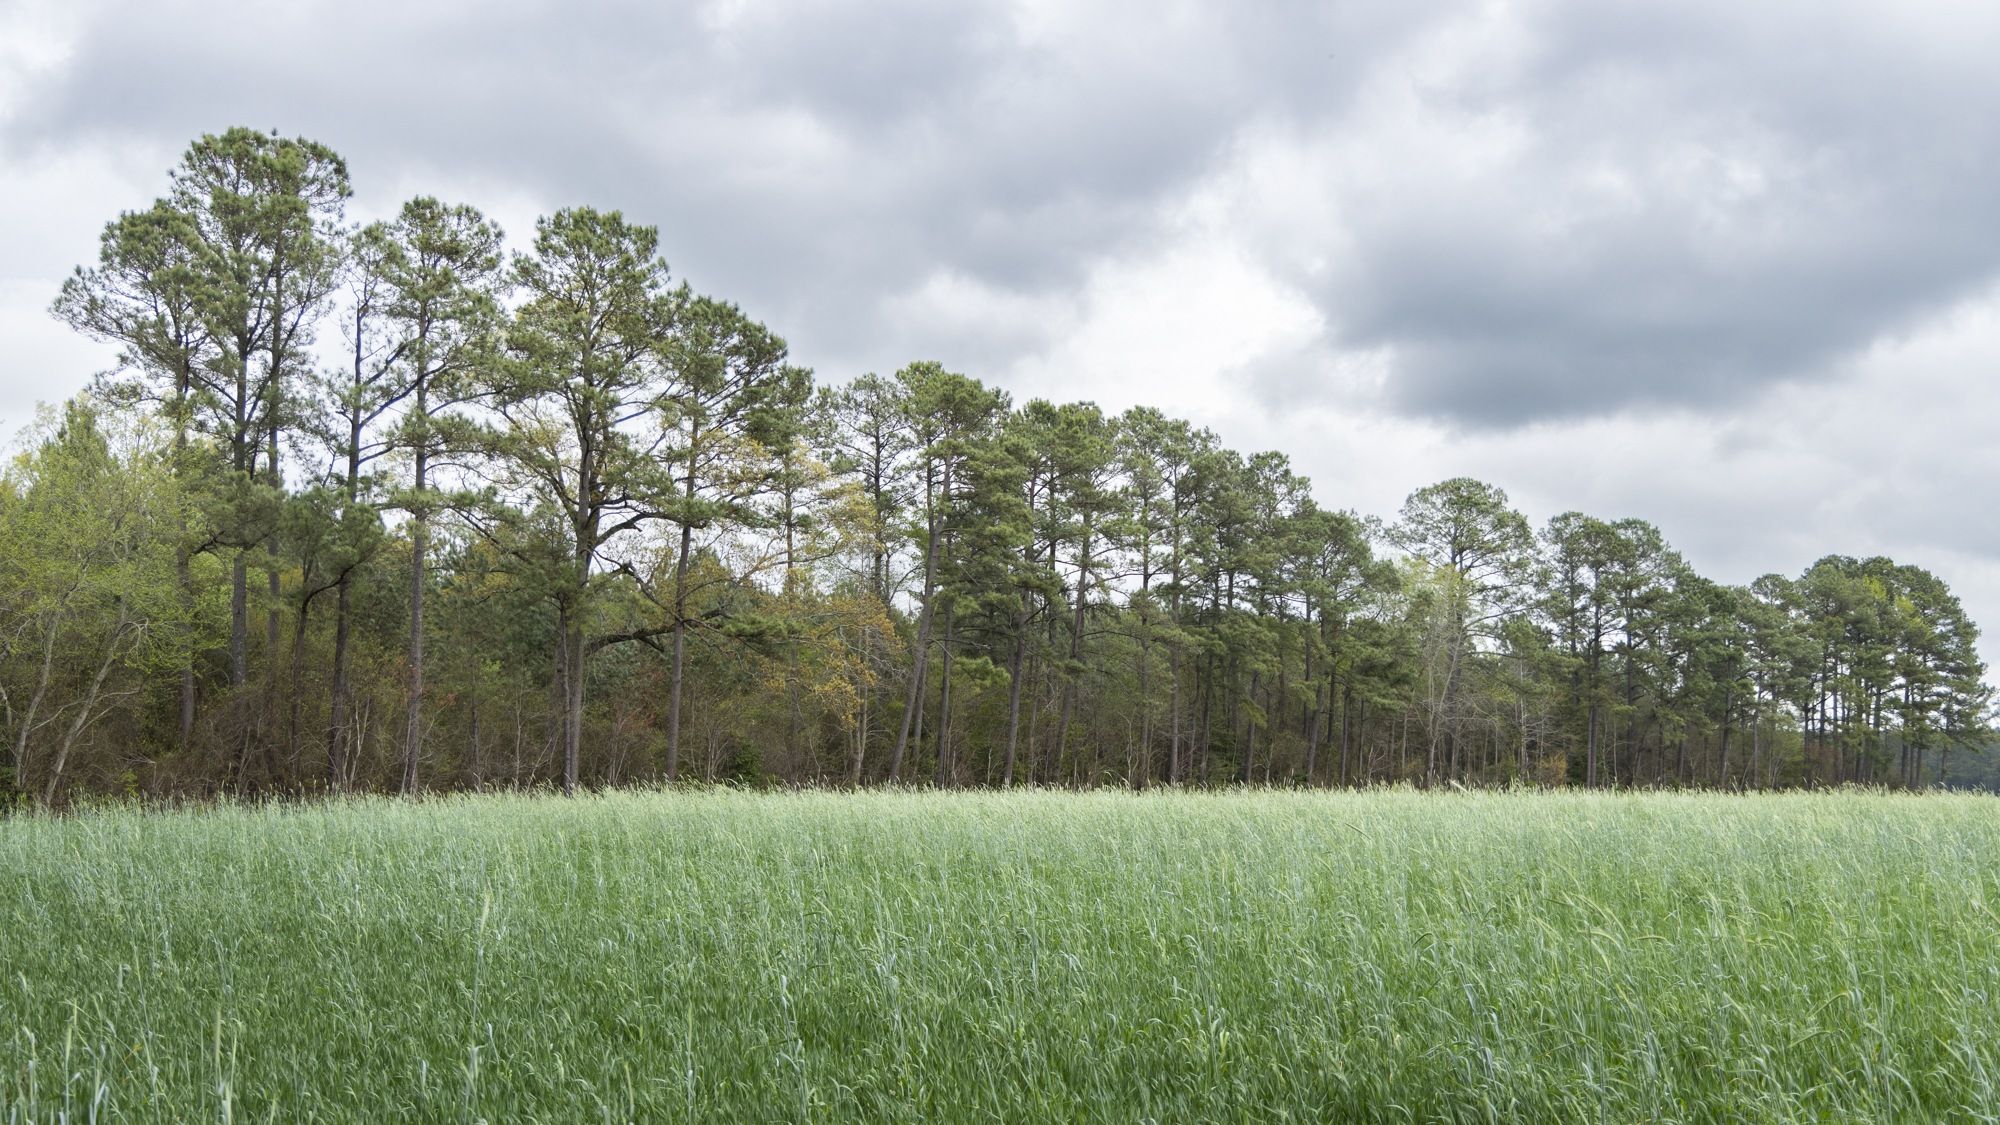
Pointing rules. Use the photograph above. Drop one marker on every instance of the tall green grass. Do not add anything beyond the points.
(1387, 956)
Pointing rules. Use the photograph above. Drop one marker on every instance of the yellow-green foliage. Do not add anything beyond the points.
(1031, 956)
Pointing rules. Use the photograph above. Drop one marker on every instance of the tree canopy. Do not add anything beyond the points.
(550, 517)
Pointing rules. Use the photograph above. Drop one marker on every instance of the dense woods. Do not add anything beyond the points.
(553, 519)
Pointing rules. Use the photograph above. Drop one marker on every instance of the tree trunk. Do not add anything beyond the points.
(1073, 688)
(336, 738)
(923, 705)
(298, 673)
(1275, 719)
(861, 730)
(272, 627)
(921, 662)
(472, 704)
(1312, 737)
(89, 703)
(1403, 761)
(1207, 701)
(1346, 697)
(1143, 768)
(1431, 755)
(792, 698)
(680, 652)
(239, 620)
(181, 571)
(414, 734)
(1590, 756)
(944, 778)
(573, 723)
(1756, 747)
(1034, 726)
(34, 706)
(1014, 689)
(273, 630)
(1722, 778)
(1250, 736)
(1359, 738)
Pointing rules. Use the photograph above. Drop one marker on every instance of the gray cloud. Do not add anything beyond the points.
(1541, 211)
(816, 136)
(1698, 200)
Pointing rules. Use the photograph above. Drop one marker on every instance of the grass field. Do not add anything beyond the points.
(1387, 956)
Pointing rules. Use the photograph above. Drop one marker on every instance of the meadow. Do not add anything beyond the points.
(1025, 956)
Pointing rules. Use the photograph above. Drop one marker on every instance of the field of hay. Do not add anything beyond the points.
(1028, 956)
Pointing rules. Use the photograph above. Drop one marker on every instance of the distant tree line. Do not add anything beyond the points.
(554, 520)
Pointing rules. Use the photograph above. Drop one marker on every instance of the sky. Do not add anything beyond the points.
(1730, 268)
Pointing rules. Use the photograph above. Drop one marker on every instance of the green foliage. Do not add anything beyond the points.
(632, 517)
(90, 522)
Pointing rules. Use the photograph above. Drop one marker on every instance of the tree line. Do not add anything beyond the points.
(551, 518)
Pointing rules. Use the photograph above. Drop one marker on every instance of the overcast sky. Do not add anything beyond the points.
(1731, 268)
